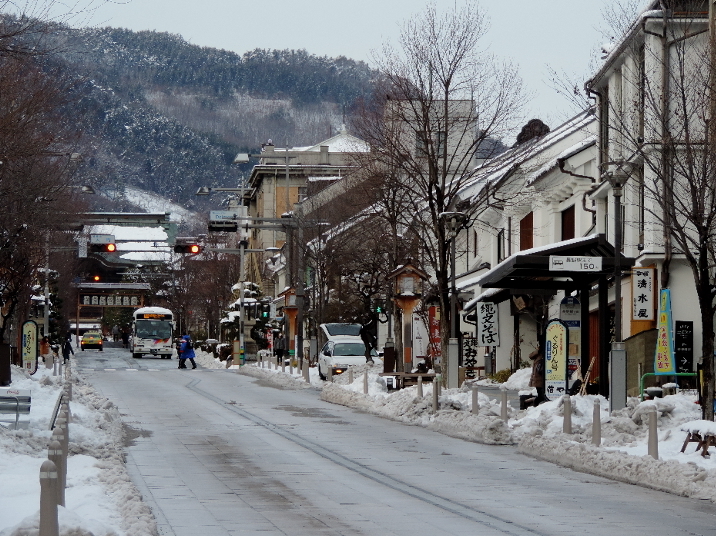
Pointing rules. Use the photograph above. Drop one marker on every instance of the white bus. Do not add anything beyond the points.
(152, 329)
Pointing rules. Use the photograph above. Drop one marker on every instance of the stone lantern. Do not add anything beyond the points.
(407, 292)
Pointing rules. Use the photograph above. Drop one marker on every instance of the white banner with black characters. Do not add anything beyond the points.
(487, 324)
(642, 292)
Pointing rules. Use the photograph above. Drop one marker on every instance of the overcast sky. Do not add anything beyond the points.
(561, 34)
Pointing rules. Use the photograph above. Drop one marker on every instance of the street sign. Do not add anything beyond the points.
(564, 263)
(29, 346)
(227, 220)
(101, 239)
(557, 343)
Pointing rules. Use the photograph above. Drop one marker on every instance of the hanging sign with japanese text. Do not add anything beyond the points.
(487, 324)
(29, 346)
(684, 345)
(570, 312)
(664, 358)
(642, 292)
(556, 344)
(434, 349)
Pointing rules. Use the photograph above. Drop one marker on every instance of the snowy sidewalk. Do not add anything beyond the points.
(537, 431)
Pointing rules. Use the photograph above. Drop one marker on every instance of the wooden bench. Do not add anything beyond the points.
(399, 380)
(410, 379)
(703, 433)
(15, 402)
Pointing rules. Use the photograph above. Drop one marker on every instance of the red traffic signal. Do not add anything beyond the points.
(103, 248)
(192, 249)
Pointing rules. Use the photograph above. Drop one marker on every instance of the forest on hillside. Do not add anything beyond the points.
(167, 116)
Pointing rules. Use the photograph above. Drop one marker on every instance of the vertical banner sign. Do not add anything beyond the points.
(29, 346)
(269, 339)
(487, 324)
(684, 345)
(469, 356)
(434, 333)
(642, 292)
(556, 344)
(664, 358)
(570, 312)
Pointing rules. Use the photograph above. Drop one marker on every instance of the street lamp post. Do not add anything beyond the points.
(617, 357)
(454, 221)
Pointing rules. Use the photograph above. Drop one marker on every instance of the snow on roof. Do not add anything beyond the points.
(494, 170)
(538, 249)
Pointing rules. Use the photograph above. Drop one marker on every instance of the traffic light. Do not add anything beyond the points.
(103, 248)
(265, 311)
(192, 249)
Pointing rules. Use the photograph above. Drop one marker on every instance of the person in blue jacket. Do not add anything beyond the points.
(186, 352)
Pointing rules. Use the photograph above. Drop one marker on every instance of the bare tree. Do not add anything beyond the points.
(656, 133)
(441, 107)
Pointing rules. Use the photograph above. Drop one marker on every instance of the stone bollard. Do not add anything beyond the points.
(653, 435)
(290, 366)
(365, 382)
(261, 360)
(420, 387)
(305, 371)
(283, 365)
(567, 421)
(350, 375)
(329, 374)
(436, 395)
(503, 405)
(54, 366)
(49, 524)
(475, 404)
(61, 425)
(49, 362)
(56, 456)
(597, 424)
(68, 388)
(65, 407)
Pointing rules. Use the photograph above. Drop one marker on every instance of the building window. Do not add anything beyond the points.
(568, 223)
(527, 232)
(501, 246)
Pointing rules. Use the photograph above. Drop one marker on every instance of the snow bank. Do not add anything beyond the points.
(622, 454)
(100, 497)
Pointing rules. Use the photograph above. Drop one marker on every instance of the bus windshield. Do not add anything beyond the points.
(153, 329)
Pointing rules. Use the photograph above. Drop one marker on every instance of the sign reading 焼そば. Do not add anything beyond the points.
(487, 324)
(664, 356)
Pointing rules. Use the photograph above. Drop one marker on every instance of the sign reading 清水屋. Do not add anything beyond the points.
(556, 344)
(642, 292)
(664, 358)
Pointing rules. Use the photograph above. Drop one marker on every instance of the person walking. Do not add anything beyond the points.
(45, 352)
(187, 352)
(537, 377)
(125, 338)
(115, 333)
(279, 347)
(67, 349)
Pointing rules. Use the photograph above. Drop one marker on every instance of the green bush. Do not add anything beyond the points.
(501, 376)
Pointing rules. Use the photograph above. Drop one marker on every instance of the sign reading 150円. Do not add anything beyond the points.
(566, 263)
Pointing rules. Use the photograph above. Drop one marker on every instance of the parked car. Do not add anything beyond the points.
(341, 352)
(91, 339)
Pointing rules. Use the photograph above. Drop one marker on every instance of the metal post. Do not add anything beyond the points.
(46, 328)
(420, 387)
(653, 435)
(299, 288)
(242, 276)
(350, 375)
(55, 455)
(597, 423)
(617, 374)
(475, 404)
(365, 382)
(49, 524)
(567, 422)
(436, 394)
(503, 405)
